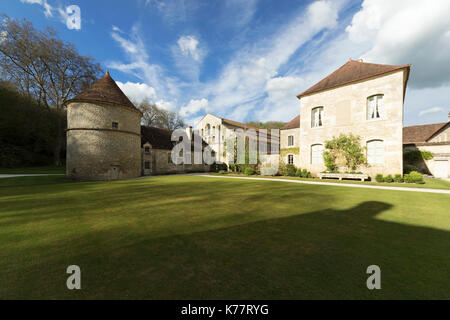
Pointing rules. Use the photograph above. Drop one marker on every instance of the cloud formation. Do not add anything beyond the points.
(137, 91)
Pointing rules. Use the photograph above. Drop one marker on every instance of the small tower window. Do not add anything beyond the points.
(147, 149)
(115, 125)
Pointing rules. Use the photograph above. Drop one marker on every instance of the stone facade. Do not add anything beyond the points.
(287, 149)
(96, 149)
(345, 111)
(439, 145)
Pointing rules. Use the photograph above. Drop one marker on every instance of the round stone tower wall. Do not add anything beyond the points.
(96, 149)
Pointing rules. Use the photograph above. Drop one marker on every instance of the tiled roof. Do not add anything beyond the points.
(106, 90)
(422, 133)
(293, 124)
(350, 72)
(238, 124)
(160, 138)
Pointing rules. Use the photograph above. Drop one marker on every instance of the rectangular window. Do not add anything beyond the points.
(147, 149)
(291, 159)
(290, 141)
(317, 117)
(147, 164)
(169, 158)
(375, 152)
(375, 107)
(316, 154)
(115, 125)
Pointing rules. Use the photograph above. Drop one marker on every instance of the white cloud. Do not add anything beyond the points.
(127, 45)
(431, 110)
(151, 74)
(189, 47)
(243, 80)
(407, 31)
(47, 8)
(281, 103)
(71, 15)
(137, 91)
(193, 107)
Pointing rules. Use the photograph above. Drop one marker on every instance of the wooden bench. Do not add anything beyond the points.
(340, 176)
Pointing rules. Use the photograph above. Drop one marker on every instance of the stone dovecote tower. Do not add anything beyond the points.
(103, 134)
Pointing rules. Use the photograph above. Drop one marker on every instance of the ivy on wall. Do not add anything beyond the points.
(286, 151)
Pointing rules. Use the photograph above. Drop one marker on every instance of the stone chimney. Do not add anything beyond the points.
(189, 132)
(448, 117)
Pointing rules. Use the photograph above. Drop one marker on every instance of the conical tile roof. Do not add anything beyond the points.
(106, 90)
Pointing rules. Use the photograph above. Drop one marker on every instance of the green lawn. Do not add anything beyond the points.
(191, 237)
(34, 170)
(430, 183)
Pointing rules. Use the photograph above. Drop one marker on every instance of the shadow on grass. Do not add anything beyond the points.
(322, 254)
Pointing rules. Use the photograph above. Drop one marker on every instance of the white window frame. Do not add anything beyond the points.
(375, 107)
(317, 117)
(317, 159)
(375, 152)
(290, 156)
(290, 143)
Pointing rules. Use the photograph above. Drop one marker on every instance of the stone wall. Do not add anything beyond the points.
(345, 112)
(96, 151)
(286, 150)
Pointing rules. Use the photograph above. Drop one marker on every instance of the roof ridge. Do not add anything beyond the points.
(358, 71)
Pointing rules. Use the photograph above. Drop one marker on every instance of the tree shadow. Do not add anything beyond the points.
(318, 255)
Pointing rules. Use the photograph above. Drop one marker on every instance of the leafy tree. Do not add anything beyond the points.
(154, 116)
(44, 67)
(345, 149)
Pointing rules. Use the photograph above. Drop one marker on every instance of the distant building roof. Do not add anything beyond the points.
(350, 72)
(160, 138)
(106, 90)
(293, 124)
(238, 124)
(421, 133)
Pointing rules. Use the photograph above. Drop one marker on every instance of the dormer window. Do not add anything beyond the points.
(317, 117)
(375, 107)
(115, 125)
(147, 149)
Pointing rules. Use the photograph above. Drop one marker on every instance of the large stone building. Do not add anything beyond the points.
(105, 139)
(217, 131)
(364, 99)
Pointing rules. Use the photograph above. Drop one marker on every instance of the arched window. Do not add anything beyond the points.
(375, 152)
(290, 141)
(208, 129)
(316, 154)
(317, 117)
(375, 107)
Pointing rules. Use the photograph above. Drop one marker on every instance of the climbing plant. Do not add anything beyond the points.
(345, 149)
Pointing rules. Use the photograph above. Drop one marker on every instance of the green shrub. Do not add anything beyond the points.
(291, 170)
(415, 156)
(223, 172)
(298, 173)
(416, 177)
(249, 171)
(408, 168)
(398, 178)
(407, 178)
(388, 179)
(379, 178)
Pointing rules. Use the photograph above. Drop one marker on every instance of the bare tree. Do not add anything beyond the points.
(154, 116)
(44, 67)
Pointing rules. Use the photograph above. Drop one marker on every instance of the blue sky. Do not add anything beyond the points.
(247, 59)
